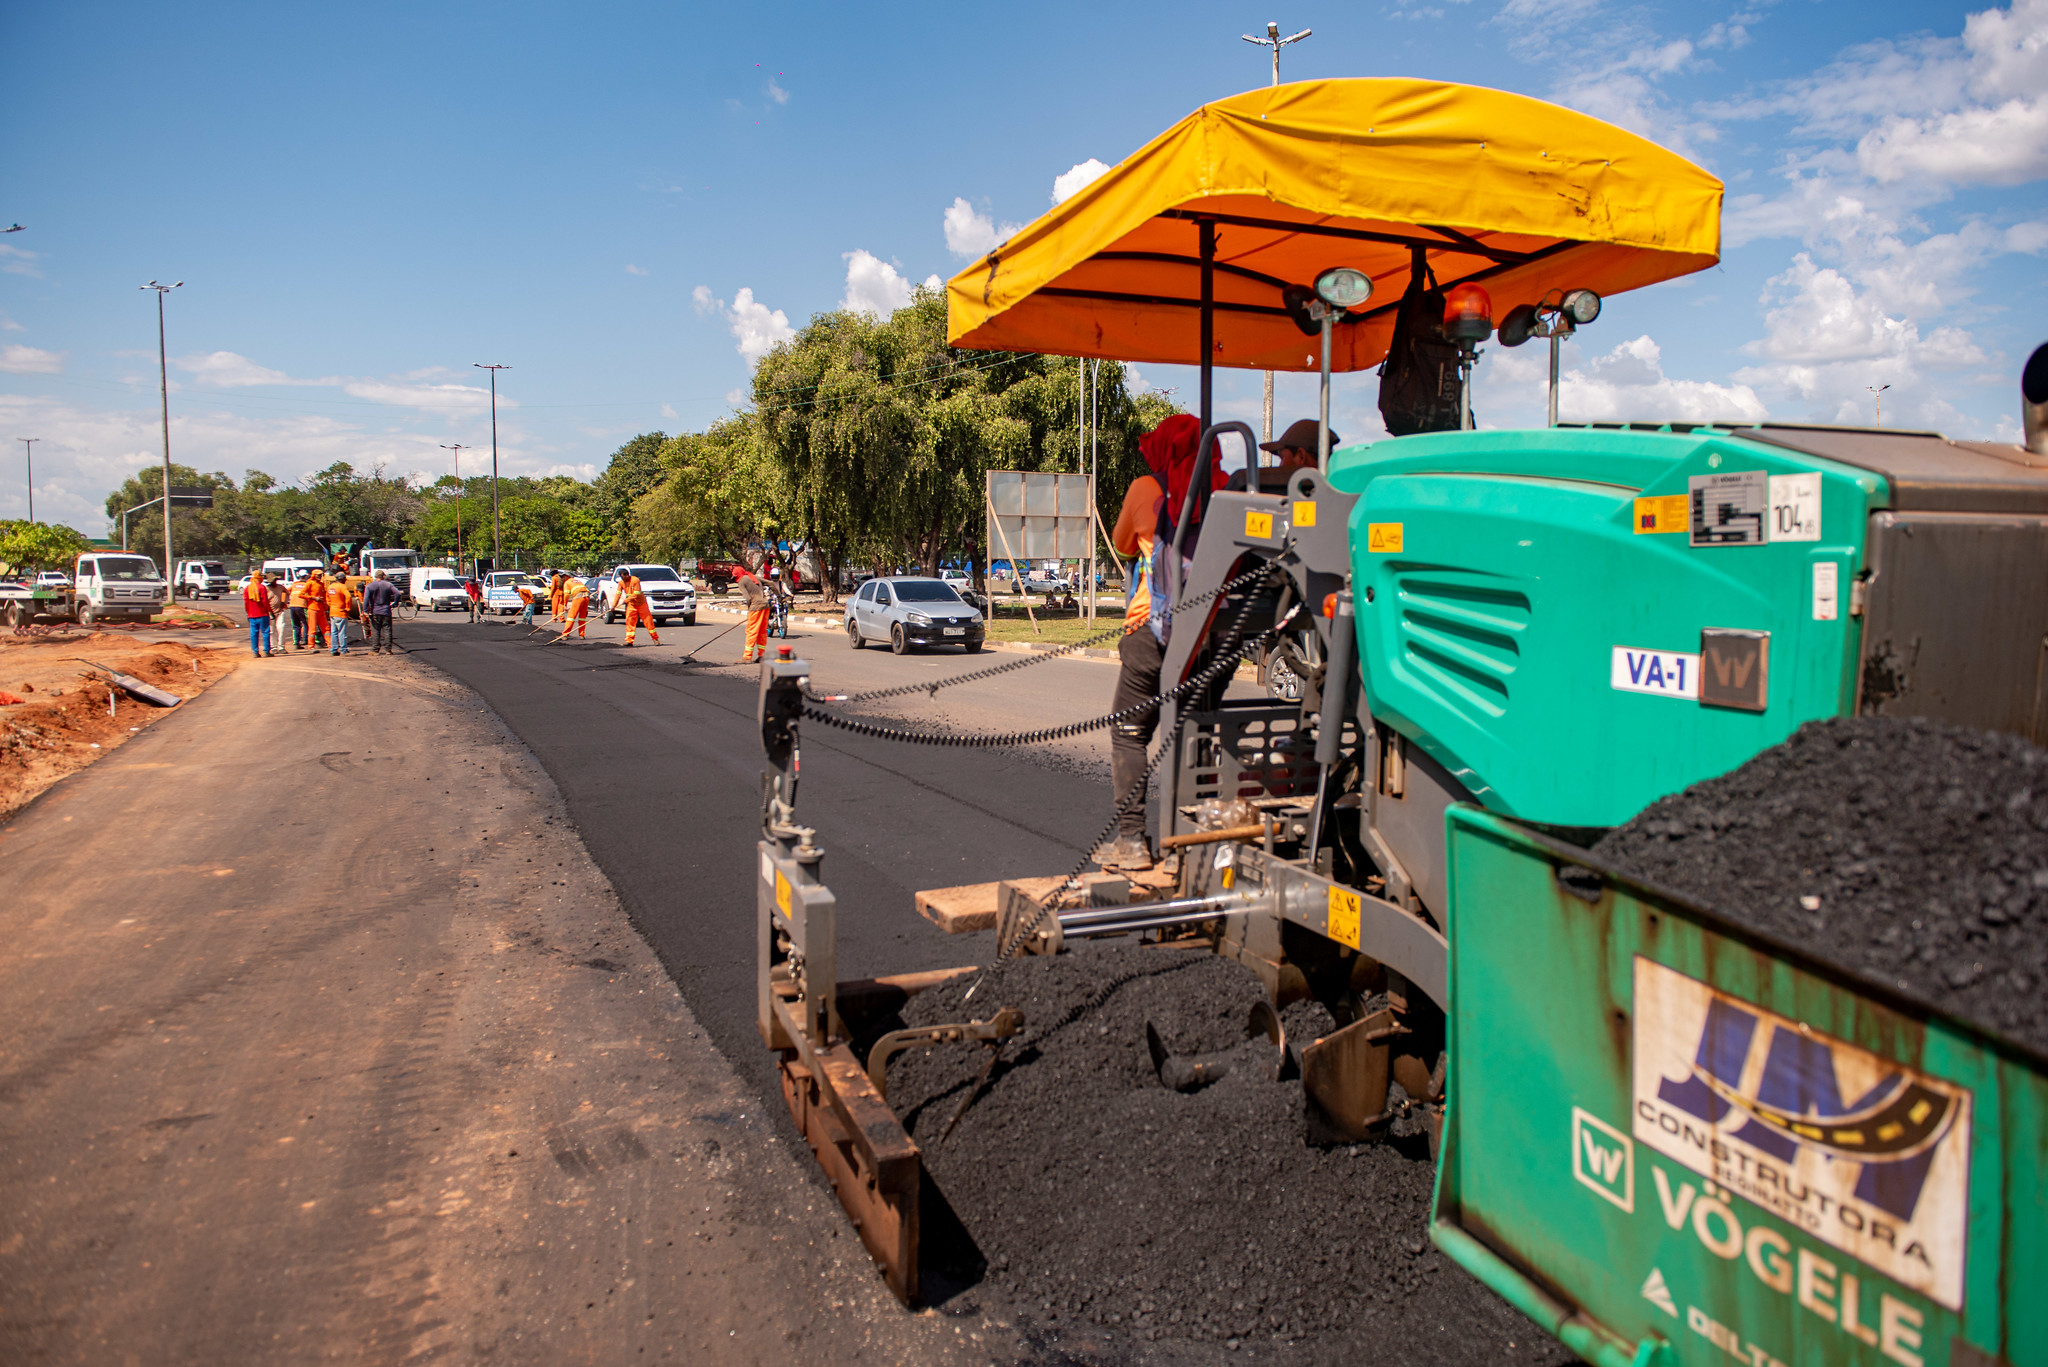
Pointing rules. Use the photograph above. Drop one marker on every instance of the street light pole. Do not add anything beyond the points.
(1879, 389)
(163, 374)
(29, 444)
(494, 369)
(1274, 41)
(458, 449)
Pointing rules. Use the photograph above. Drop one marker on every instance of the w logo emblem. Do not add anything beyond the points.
(1604, 1159)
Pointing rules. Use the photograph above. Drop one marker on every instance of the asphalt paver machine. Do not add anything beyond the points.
(1554, 627)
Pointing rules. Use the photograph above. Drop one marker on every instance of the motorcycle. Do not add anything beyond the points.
(778, 615)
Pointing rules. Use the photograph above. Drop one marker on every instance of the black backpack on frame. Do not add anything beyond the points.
(1419, 379)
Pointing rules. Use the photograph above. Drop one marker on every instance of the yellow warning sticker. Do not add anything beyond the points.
(1344, 905)
(1304, 513)
(1663, 513)
(1383, 538)
(1258, 524)
(781, 892)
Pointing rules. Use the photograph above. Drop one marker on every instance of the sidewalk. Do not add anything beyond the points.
(322, 1038)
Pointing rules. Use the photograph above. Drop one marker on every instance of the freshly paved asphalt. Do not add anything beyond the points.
(660, 760)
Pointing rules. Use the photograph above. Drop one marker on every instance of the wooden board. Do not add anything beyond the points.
(972, 906)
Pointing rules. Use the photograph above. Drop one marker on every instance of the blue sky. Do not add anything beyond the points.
(626, 203)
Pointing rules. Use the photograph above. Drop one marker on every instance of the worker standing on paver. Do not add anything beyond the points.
(757, 614)
(1140, 652)
(316, 609)
(380, 596)
(256, 602)
(634, 599)
(340, 602)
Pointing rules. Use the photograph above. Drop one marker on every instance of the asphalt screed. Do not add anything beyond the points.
(1909, 850)
(1121, 1222)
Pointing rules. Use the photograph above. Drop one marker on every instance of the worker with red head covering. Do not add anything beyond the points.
(757, 615)
(633, 599)
(1150, 505)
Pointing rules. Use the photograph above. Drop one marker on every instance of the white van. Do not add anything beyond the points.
(118, 587)
(436, 587)
(192, 578)
(290, 568)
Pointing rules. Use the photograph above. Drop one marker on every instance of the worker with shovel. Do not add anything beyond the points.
(576, 611)
(634, 599)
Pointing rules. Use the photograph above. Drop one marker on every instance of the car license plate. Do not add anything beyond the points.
(956, 631)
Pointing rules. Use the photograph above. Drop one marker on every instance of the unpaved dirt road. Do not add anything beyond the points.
(321, 1038)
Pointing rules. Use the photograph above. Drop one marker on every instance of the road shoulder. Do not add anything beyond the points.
(325, 1038)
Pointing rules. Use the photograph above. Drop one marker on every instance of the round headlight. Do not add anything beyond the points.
(1581, 306)
(1344, 288)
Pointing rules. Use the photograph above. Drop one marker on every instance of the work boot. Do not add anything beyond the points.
(1132, 853)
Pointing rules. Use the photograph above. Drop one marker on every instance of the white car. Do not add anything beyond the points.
(668, 594)
(53, 579)
(437, 588)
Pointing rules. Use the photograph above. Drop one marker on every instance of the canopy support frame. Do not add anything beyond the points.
(1205, 231)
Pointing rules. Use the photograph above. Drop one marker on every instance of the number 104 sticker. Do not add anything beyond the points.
(1795, 508)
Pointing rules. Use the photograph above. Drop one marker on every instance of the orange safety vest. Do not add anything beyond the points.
(337, 597)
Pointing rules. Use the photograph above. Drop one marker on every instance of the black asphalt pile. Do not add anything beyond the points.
(1909, 850)
(1107, 1205)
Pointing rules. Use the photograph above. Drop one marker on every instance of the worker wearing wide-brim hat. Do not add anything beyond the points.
(1296, 448)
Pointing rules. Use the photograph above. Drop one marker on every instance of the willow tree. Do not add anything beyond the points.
(886, 435)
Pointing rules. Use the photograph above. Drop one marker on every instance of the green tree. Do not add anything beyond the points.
(192, 532)
(28, 545)
(718, 493)
(634, 470)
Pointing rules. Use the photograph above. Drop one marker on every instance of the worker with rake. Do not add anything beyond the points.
(634, 599)
(531, 601)
(576, 612)
(558, 595)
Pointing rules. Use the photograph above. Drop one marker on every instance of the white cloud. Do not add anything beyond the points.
(1075, 177)
(668, 410)
(874, 286)
(86, 452)
(9, 325)
(226, 370)
(1629, 384)
(431, 398)
(970, 232)
(776, 92)
(756, 328)
(19, 261)
(27, 360)
(585, 472)
(636, 270)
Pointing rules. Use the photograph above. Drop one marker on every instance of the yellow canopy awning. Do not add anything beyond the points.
(1522, 196)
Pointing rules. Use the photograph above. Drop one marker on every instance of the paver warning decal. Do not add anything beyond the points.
(1858, 1151)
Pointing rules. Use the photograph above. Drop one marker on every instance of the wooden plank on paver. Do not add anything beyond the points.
(972, 906)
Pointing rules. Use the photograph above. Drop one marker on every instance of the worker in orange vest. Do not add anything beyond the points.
(576, 610)
(757, 615)
(634, 599)
(340, 603)
(316, 609)
(558, 595)
(298, 598)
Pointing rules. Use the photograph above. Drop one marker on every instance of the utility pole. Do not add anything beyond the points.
(1879, 389)
(458, 449)
(29, 444)
(494, 369)
(1274, 41)
(163, 374)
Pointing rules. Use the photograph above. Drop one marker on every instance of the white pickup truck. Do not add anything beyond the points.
(668, 594)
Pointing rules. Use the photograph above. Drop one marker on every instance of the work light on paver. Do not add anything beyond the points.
(1344, 288)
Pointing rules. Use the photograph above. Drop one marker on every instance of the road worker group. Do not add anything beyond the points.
(323, 611)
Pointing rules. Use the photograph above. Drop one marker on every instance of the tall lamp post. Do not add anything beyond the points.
(458, 448)
(29, 445)
(163, 375)
(1274, 41)
(494, 369)
(1877, 389)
